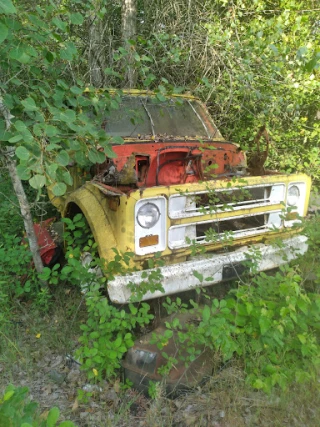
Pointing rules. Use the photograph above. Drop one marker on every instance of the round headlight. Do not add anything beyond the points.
(148, 215)
(293, 195)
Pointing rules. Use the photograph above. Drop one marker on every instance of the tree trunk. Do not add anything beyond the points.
(129, 29)
(96, 52)
(21, 196)
(25, 213)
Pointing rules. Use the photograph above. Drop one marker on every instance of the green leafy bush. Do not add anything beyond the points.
(15, 266)
(271, 324)
(108, 333)
(16, 410)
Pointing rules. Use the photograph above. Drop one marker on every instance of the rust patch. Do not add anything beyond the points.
(114, 203)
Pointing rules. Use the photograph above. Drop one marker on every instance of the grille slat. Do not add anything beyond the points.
(225, 200)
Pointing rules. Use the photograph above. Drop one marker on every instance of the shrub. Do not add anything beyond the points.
(16, 410)
(271, 324)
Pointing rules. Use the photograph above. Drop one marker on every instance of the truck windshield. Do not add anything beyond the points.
(174, 118)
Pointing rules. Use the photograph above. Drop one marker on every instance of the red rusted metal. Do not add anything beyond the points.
(157, 163)
(47, 245)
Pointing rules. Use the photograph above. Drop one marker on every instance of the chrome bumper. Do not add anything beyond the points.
(179, 277)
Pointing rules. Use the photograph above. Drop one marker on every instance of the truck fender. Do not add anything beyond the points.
(92, 203)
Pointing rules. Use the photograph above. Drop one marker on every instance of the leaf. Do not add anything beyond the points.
(117, 140)
(29, 104)
(67, 178)
(302, 338)
(68, 52)
(112, 354)
(49, 57)
(80, 158)
(7, 7)
(264, 324)
(22, 153)
(59, 189)
(68, 116)
(258, 383)
(53, 417)
(3, 32)
(19, 54)
(37, 181)
(206, 313)
(60, 24)
(8, 394)
(50, 130)
(199, 276)
(96, 156)
(114, 105)
(63, 158)
(76, 18)
(161, 97)
(109, 152)
(23, 173)
(75, 406)
(15, 138)
(76, 90)
(313, 62)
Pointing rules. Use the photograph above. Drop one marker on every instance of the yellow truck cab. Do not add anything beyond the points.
(175, 184)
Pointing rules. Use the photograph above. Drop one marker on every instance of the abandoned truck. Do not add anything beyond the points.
(175, 183)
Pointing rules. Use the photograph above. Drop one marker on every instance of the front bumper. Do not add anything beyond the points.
(179, 277)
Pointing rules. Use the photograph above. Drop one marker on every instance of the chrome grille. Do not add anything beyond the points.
(216, 204)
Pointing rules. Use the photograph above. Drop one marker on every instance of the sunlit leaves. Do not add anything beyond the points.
(37, 181)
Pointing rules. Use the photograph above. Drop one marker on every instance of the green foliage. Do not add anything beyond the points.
(152, 280)
(15, 264)
(268, 65)
(310, 262)
(108, 333)
(109, 329)
(271, 324)
(48, 124)
(16, 410)
(18, 276)
(10, 219)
